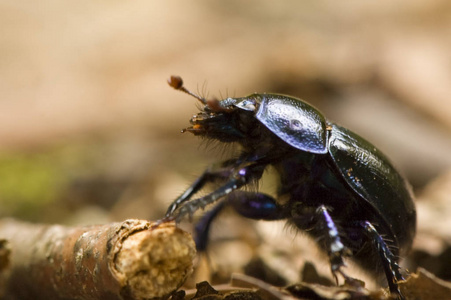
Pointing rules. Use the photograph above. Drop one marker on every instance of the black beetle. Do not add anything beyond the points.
(334, 185)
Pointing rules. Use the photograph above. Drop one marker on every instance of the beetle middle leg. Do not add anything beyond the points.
(334, 246)
(252, 205)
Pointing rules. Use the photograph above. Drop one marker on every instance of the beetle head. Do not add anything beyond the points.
(292, 120)
(225, 120)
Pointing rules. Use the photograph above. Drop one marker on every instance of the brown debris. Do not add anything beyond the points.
(424, 285)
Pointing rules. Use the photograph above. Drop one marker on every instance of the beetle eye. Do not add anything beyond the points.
(295, 125)
(248, 105)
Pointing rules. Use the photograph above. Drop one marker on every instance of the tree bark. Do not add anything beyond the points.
(133, 259)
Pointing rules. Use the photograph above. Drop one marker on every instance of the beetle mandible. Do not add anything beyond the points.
(340, 188)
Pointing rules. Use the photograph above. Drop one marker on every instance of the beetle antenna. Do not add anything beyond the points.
(177, 83)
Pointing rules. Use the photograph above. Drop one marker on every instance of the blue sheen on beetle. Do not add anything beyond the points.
(341, 190)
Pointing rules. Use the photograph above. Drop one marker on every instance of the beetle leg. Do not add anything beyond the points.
(256, 206)
(236, 180)
(202, 228)
(391, 267)
(211, 174)
(336, 249)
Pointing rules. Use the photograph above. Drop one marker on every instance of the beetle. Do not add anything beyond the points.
(333, 184)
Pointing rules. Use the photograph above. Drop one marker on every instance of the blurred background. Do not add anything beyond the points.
(90, 130)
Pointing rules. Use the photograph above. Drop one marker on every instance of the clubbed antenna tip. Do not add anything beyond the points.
(176, 82)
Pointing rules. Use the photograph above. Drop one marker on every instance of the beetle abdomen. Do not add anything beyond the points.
(371, 175)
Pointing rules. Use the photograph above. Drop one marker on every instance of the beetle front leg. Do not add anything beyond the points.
(213, 173)
(236, 180)
(192, 206)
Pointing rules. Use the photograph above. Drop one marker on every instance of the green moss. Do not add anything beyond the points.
(28, 181)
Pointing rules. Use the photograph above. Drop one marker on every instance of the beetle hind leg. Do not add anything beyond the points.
(388, 259)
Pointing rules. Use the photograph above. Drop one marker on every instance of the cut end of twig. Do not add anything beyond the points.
(156, 261)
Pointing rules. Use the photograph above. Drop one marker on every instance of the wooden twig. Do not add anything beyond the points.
(128, 260)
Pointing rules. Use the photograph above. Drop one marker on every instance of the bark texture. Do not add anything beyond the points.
(133, 259)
